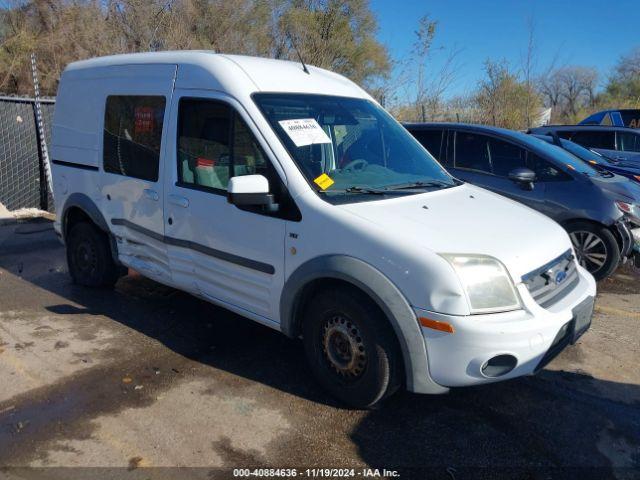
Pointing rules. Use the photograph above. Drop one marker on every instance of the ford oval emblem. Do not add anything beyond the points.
(560, 277)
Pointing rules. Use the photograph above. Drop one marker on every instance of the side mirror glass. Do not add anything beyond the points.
(524, 177)
(250, 190)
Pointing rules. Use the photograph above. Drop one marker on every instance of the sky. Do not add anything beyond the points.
(567, 32)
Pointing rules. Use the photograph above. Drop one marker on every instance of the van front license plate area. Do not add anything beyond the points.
(582, 318)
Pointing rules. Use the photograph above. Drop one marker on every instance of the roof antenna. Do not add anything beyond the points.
(293, 44)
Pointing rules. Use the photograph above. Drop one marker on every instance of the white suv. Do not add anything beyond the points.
(289, 196)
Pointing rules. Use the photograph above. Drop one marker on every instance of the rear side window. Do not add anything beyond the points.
(214, 144)
(628, 142)
(132, 135)
(472, 152)
(431, 140)
(594, 139)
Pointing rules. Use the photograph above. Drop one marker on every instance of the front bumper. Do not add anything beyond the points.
(630, 236)
(635, 234)
(530, 335)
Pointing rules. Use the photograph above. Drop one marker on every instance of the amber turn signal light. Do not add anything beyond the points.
(436, 325)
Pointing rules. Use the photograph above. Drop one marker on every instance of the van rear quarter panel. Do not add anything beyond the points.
(75, 139)
(77, 132)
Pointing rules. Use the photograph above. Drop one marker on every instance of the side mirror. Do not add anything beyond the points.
(524, 177)
(250, 190)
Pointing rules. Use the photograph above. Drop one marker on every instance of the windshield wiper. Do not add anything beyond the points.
(365, 191)
(373, 191)
(403, 188)
(413, 185)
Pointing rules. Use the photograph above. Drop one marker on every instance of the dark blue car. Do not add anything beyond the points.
(626, 168)
(599, 210)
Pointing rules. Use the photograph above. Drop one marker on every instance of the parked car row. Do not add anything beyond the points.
(599, 209)
(286, 194)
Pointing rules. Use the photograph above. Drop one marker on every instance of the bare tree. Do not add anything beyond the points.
(577, 87)
(628, 66)
(421, 49)
(623, 86)
(502, 99)
(529, 65)
(551, 89)
(425, 75)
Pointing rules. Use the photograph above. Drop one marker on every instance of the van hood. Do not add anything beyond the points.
(468, 219)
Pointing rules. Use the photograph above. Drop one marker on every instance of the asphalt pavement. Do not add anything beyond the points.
(147, 376)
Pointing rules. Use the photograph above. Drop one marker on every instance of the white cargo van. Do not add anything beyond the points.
(289, 196)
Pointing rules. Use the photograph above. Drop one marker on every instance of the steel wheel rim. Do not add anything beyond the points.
(85, 258)
(590, 248)
(343, 347)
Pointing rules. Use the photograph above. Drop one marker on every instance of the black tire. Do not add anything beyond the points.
(89, 257)
(596, 247)
(339, 322)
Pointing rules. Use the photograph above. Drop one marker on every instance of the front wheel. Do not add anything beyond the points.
(596, 248)
(351, 348)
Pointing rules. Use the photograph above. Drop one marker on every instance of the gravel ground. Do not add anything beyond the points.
(147, 376)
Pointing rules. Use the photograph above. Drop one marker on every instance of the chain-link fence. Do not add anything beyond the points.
(22, 179)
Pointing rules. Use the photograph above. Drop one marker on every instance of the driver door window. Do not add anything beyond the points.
(472, 152)
(505, 157)
(545, 171)
(214, 144)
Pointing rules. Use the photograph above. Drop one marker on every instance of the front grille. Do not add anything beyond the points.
(554, 281)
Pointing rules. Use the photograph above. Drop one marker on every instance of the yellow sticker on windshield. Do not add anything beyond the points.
(324, 181)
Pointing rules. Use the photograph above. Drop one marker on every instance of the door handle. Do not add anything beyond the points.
(151, 194)
(179, 200)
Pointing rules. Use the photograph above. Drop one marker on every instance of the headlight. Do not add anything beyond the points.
(631, 211)
(487, 283)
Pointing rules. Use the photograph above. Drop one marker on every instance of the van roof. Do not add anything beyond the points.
(197, 67)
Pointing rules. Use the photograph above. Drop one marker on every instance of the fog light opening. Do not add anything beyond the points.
(499, 365)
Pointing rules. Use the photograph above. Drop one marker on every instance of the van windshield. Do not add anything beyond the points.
(350, 146)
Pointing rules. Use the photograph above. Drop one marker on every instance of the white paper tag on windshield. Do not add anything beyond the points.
(304, 131)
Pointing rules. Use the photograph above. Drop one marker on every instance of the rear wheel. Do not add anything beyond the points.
(351, 348)
(596, 248)
(89, 256)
